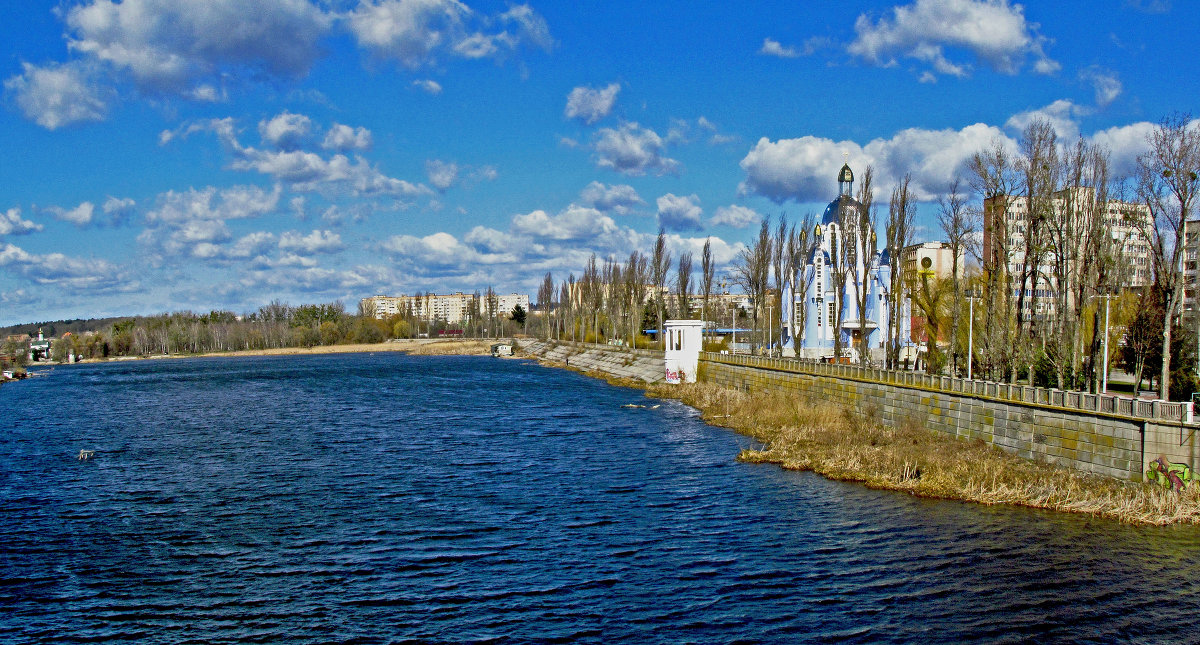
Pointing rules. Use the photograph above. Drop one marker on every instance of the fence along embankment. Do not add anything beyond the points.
(1113, 436)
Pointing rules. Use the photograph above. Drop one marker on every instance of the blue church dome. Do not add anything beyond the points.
(833, 213)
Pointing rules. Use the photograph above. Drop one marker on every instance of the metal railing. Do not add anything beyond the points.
(1153, 410)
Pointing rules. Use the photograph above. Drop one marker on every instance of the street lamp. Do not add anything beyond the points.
(970, 332)
(770, 328)
(1104, 381)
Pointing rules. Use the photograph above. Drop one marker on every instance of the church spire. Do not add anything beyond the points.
(846, 181)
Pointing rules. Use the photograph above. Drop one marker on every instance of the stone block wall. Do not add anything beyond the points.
(642, 364)
(1102, 443)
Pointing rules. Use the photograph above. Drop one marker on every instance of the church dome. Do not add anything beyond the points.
(833, 212)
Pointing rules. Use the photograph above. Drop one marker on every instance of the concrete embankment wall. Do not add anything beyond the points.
(1109, 444)
(642, 364)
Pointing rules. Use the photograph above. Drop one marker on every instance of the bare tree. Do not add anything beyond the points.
(1039, 171)
(901, 211)
(779, 262)
(545, 298)
(1167, 184)
(659, 266)
(635, 293)
(993, 177)
(863, 240)
(752, 268)
(707, 273)
(799, 243)
(957, 227)
(683, 284)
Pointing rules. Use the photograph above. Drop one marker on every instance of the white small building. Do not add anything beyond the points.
(684, 340)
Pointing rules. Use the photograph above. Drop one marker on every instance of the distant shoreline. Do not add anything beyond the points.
(418, 346)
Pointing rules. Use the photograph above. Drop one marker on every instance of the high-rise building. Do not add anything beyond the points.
(1007, 224)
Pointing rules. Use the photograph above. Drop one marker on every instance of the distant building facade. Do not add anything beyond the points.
(1006, 225)
(940, 256)
(453, 308)
(505, 303)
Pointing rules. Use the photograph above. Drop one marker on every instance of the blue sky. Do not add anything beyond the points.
(199, 154)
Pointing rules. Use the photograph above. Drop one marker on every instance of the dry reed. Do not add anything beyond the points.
(802, 434)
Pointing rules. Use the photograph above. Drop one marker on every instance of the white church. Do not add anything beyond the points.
(811, 323)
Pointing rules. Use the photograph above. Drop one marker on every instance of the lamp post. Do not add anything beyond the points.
(1104, 381)
(970, 333)
(770, 329)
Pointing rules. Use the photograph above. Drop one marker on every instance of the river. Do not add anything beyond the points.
(377, 498)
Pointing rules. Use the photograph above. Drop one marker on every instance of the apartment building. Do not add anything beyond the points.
(1007, 219)
(451, 308)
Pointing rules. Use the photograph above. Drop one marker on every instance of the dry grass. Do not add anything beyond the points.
(801, 434)
(451, 347)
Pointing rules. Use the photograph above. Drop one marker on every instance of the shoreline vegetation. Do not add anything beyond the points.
(799, 433)
(418, 347)
(837, 443)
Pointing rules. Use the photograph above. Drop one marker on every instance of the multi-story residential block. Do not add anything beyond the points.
(451, 308)
(505, 303)
(1006, 226)
(1191, 270)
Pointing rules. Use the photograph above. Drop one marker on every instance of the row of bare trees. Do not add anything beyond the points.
(615, 300)
(1052, 210)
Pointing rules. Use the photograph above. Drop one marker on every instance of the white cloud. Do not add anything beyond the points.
(55, 95)
(344, 138)
(805, 169)
(1063, 115)
(294, 274)
(12, 224)
(993, 30)
(74, 274)
(1125, 143)
(678, 213)
(415, 32)
(285, 131)
(428, 86)
(772, 47)
(311, 244)
(735, 216)
(170, 45)
(1105, 83)
(619, 199)
(574, 223)
(531, 27)
(211, 203)
(251, 245)
(590, 105)
(632, 150)
(441, 174)
(81, 215)
(441, 252)
(307, 171)
(118, 210)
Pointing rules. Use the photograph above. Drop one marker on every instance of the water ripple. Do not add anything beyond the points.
(392, 499)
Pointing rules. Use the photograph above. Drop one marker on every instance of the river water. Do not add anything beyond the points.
(387, 498)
